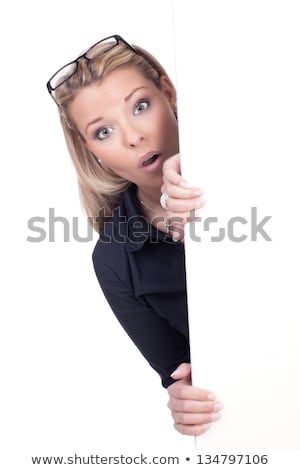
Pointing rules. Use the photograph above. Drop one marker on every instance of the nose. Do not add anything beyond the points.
(133, 136)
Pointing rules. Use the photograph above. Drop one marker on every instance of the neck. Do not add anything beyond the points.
(151, 208)
(149, 197)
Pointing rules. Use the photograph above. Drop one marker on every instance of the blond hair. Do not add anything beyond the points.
(99, 187)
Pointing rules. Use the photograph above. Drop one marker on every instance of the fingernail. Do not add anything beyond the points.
(211, 396)
(183, 184)
(176, 371)
(177, 232)
(218, 406)
(205, 427)
(198, 192)
(215, 416)
(197, 212)
(200, 203)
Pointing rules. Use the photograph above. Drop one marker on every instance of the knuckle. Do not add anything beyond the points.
(180, 393)
(198, 430)
(185, 407)
(190, 430)
(175, 426)
(183, 418)
(180, 428)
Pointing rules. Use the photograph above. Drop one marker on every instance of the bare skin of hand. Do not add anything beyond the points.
(193, 409)
(183, 200)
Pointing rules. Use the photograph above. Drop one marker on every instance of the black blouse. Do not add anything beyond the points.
(141, 271)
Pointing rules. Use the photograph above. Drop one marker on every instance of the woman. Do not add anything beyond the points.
(118, 111)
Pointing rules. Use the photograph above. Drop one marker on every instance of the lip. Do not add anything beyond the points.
(148, 155)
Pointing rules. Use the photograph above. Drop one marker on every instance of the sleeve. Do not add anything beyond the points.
(162, 346)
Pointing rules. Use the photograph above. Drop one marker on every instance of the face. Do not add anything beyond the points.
(129, 124)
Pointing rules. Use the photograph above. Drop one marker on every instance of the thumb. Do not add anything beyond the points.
(176, 163)
(183, 371)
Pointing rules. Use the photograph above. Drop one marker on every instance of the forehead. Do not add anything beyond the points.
(109, 92)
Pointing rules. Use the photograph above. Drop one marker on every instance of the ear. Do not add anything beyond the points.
(169, 91)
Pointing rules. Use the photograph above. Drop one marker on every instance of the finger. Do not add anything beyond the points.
(178, 220)
(193, 406)
(185, 205)
(185, 391)
(178, 192)
(192, 430)
(185, 406)
(195, 418)
(172, 171)
(182, 371)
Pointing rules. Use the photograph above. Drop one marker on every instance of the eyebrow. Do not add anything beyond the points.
(136, 89)
(126, 99)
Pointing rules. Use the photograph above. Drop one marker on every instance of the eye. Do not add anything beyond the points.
(141, 106)
(103, 133)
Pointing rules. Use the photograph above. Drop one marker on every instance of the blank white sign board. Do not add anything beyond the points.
(238, 76)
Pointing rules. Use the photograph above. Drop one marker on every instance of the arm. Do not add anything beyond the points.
(166, 350)
(162, 346)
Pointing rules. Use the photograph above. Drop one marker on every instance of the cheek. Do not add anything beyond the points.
(105, 152)
(110, 157)
(169, 122)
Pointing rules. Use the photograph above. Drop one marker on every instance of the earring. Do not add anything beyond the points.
(99, 160)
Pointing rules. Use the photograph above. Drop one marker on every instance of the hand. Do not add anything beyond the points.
(182, 199)
(193, 409)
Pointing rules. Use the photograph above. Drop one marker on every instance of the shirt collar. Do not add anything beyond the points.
(138, 228)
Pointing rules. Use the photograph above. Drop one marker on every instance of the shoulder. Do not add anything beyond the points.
(110, 252)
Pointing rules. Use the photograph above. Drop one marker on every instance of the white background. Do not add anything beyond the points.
(240, 120)
(67, 385)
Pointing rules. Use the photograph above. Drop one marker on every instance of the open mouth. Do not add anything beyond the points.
(151, 159)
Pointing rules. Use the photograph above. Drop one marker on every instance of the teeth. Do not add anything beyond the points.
(150, 159)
